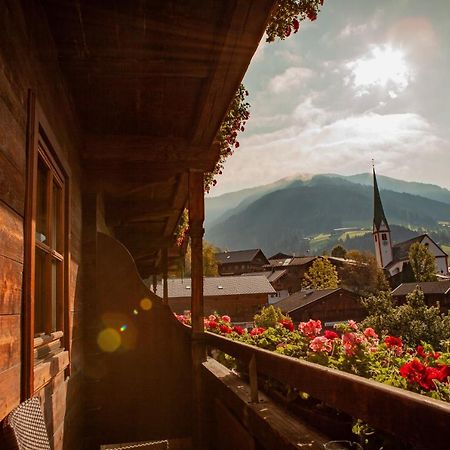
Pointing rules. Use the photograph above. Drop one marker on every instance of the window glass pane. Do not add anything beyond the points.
(56, 294)
(41, 202)
(39, 293)
(56, 220)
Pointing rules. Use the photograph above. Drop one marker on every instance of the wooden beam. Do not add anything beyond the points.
(132, 211)
(144, 148)
(196, 217)
(248, 18)
(123, 67)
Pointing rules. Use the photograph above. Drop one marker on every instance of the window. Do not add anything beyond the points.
(384, 237)
(46, 268)
(49, 246)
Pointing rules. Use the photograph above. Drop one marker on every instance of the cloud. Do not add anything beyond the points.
(402, 144)
(290, 78)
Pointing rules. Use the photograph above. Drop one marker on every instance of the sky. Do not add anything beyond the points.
(368, 79)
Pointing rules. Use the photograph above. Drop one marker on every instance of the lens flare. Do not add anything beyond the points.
(123, 328)
(146, 304)
(109, 340)
(135, 312)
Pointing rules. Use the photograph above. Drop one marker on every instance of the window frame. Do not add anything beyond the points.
(41, 142)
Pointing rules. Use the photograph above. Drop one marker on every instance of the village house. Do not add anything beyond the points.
(240, 261)
(330, 306)
(291, 271)
(240, 297)
(435, 292)
(393, 258)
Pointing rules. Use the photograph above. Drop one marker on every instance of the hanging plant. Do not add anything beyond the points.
(234, 122)
(288, 14)
(182, 231)
(285, 20)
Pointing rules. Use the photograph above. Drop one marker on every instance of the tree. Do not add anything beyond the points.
(210, 268)
(422, 262)
(321, 275)
(414, 321)
(362, 275)
(269, 316)
(338, 251)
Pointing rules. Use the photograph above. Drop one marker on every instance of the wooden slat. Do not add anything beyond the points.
(49, 368)
(9, 390)
(396, 411)
(10, 286)
(12, 185)
(11, 233)
(9, 341)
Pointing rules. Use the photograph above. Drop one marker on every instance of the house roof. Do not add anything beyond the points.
(302, 298)
(213, 286)
(428, 288)
(240, 256)
(271, 275)
(280, 255)
(295, 261)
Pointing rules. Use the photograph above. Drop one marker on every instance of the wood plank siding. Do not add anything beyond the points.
(130, 96)
(28, 60)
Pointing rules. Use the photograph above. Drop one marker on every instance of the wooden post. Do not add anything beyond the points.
(196, 217)
(165, 268)
(253, 375)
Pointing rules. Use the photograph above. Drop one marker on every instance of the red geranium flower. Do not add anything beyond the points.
(286, 323)
(257, 331)
(225, 329)
(331, 335)
(393, 341)
(239, 330)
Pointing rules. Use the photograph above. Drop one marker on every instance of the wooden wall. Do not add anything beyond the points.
(336, 307)
(137, 355)
(241, 308)
(28, 61)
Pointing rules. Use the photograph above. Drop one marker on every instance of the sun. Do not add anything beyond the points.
(385, 67)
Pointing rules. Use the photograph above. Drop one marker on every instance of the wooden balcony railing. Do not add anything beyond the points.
(414, 418)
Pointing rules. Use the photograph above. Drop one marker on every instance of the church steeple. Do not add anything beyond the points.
(381, 230)
(379, 218)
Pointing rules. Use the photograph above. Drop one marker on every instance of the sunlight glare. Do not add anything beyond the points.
(384, 66)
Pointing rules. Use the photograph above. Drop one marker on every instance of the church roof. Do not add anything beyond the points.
(401, 249)
(378, 213)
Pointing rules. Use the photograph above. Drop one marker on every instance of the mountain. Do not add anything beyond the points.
(287, 217)
(219, 208)
(430, 191)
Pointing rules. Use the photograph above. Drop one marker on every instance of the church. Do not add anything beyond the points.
(393, 258)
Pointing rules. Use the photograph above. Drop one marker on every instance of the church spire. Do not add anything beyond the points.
(379, 217)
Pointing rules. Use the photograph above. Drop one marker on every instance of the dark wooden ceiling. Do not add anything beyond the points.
(151, 81)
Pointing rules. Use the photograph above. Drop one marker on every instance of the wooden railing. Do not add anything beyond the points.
(413, 418)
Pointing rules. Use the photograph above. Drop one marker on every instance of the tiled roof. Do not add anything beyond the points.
(238, 256)
(212, 286)
(280, 255)
(302, 298)
(296, 261)
(269, 274)
(428, 287)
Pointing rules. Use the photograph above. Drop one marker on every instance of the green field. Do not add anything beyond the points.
(353, 234)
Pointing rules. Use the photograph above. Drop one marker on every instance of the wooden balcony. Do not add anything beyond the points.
(131, 95)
